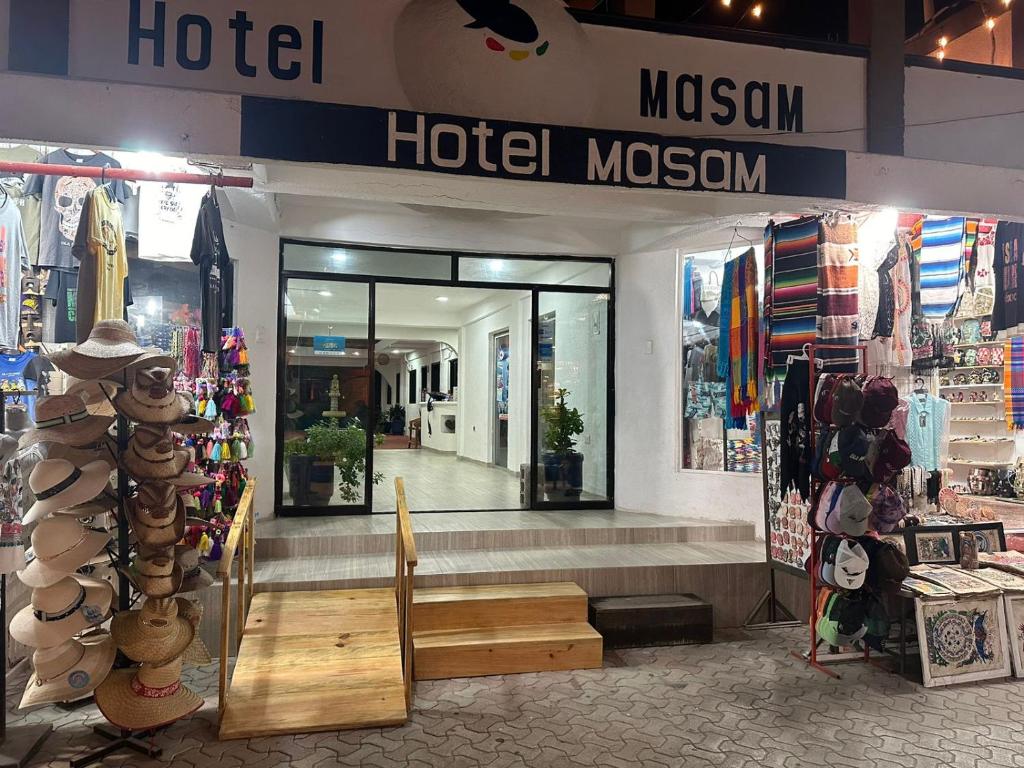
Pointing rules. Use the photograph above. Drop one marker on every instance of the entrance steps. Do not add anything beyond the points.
(502, 629)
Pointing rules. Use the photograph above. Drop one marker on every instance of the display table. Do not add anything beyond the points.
(439, 426)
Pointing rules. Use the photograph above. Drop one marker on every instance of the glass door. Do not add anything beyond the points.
(327, 394)
(573, 400)
(502, 386)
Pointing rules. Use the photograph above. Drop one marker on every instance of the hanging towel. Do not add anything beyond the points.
(1013, 381)
(838, 320)
(942, 255)
(794, 288)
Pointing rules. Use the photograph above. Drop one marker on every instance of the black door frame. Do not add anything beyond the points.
(454, 281)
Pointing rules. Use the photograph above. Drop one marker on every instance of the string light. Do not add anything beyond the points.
(756, 10)
(943, 41)
(1007, 3)
(990, 23)
(941, 55)
(726, 3)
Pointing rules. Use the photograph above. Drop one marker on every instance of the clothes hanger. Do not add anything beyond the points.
(919, 386)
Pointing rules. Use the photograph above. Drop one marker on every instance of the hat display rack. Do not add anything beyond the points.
(123, 385)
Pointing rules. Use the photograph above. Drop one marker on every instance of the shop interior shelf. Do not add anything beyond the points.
(972, 367)
(973, 463)
(979, 344)
(972, 441)
(965, 420)
(979, 402)
(971, 386)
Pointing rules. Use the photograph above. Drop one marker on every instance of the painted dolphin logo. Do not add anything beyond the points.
(503, 18)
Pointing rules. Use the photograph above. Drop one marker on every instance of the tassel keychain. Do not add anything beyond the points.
(225, 451)
(215, 453)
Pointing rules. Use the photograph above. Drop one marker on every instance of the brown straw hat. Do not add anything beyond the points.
(61, 546)
(197, 654)
(111, 347)
(152, 399)
(157, 515)
(60, 612)
(98, 394)
(102, 504)
(151, 454)
(58, 484)
(104, 450)
(155, 634)
(156, 574)
(190, 424)
(146, 698)
(69, 671)
(65, 419)
(195, 577)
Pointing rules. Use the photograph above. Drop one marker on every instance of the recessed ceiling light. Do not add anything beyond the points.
(442, 299)
(326, 294)
(317, 310)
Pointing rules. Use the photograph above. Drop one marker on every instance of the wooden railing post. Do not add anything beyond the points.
(405, 567)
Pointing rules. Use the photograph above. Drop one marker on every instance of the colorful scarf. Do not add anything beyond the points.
(725, 321)
(942, 256)
(743, 341)
(768, 395)
(838, 320)
(1013, 381)
(794, 294)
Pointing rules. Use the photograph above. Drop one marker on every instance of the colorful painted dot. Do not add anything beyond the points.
(544, 48)
(519, 55)
(494, 45)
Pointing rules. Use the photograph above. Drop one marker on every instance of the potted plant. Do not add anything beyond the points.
(312, 463)
(563, 465)
(397, 417)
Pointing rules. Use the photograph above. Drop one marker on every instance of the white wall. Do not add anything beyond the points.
(647, 477)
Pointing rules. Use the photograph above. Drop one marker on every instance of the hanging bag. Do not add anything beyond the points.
(711, 293)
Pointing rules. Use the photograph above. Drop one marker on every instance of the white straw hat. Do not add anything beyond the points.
(60, 547)
(69, 671)
(58, 484)
(60, 612)
(65, 419)
(110, 348)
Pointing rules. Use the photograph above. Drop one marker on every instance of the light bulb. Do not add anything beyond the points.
(943, 41)
(756, 10)
(990, 23)
(726, 3)
(941, 55)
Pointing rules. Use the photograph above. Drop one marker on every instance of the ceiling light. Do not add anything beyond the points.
(442, 299)
(326, 294)
(990, 23)
(756, 10)
(726, 3)
(943, 41)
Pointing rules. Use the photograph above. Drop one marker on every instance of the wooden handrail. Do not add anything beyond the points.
(405, 567)
(241, 538)
(404, 523)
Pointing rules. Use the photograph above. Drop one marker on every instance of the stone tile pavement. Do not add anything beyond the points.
(740, 703)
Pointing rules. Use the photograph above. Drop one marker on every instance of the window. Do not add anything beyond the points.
(453, 374)
(414, 395)
(166, 300)
(435, 377)
(540, 271)
(398, 386)
(424, 379)
(340, 260)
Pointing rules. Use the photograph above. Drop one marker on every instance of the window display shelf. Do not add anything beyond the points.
(979, 344)
(971, 441)
(966, 420)
(977, 402)
(971, 386)
(972, 367)
(973, 463)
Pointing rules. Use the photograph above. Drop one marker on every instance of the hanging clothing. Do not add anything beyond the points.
(885, 316)
(1013, 381)
(794, 288)
(1009, 272)
(838, 319)
(942, 255)
(927, 425)
(902, 279)
(795, 463)
(768, 394)
(60, 307)
(103, 291)
(20, 372)
(216, 273)
(13, 263)
(982, 280)
(725, 322)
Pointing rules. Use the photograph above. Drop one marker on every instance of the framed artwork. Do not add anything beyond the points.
(962, 640)
(898, 540)
(934, 546)
(990, 537)
(1015, 624)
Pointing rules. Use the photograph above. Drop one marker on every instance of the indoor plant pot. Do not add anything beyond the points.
(331, 458)
(299, 467)
(563, 465)
(397, 416)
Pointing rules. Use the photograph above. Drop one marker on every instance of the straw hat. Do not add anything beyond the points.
(192, 425)
(105, 450)
(98, 394)
(102, 504)
(111, 347)
(156, 634)
(197, 654)
(195, 577)
(189, 480)
(57, 484)
(69, 671)
(65, 419)
(60, 546)
(146, 698)
(156, 574)
(151, 454)
(60, 612)
(151, 398)
(157, 515)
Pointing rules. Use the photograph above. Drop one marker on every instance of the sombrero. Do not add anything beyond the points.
(111, 347)
(98, 394)
(156, 634)
(69, 671)
(157, 515)
(58, 484)
(61, 546)
(146, 698)
(60, 612)
(65, 419)
(151, 454)
(152, 399)
(195, 577)
(156, 575)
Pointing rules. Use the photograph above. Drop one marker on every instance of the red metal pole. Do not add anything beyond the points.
(126, 174)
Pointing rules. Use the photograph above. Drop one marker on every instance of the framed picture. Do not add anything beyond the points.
(990, 536)
(962, 640)
(933, 545)
(1015, 625)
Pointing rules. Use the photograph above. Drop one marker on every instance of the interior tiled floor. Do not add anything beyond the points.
(740, 703)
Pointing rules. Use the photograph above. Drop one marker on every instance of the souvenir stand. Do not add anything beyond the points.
(136, 396)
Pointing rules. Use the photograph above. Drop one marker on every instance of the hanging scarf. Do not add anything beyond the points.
(725, 324)
(1013, 381)
(794, 287)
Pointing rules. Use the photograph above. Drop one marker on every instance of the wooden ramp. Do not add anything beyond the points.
(317, 661)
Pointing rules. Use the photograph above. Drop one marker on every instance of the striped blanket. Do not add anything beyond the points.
(838, 320)
(794, 300)
(1013, 381)
(743, 342)
(942, 257)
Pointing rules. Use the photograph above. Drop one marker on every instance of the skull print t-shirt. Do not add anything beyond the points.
(63, 198)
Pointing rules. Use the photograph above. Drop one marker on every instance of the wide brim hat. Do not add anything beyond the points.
(105, 450)
(192, 425)
(196, 577)
(146, 698)
(190, 480)
(100, 505)
(111, 347)
(89, 610)
(154, 531)
(95, 658)
(137, 410)
(152, 645)
(98, 394)
(77, 545)
(167, 469)
(157, 586)
(58, 489)
(85, 367)
(75, 426)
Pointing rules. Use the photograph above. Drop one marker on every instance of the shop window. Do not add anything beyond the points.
(712, 439)
(497, 269)
(337, 260)
(166, 298)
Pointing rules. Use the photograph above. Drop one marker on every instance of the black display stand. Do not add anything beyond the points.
(119, 740)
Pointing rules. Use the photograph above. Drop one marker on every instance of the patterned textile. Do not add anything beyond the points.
(743, 332)
(1009, 273)
(885, 317)
(942, 255)
(769, 393)
(838, 320)
(982, 278)
(725, 325)
(794, 298)
(1013, 381)
(970, 238)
